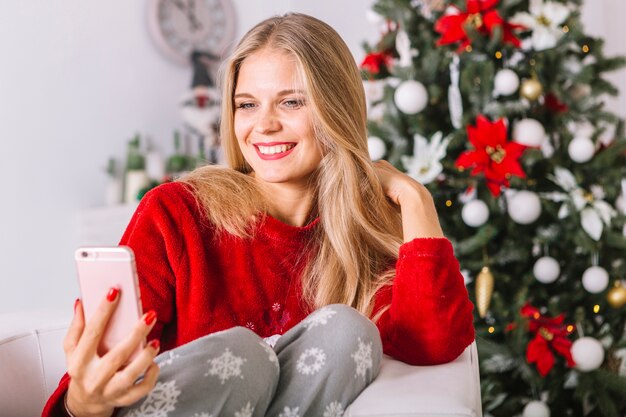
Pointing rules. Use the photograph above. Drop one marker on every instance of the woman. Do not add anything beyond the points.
(300, 241)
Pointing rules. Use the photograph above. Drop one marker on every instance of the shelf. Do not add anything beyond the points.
(103, 226)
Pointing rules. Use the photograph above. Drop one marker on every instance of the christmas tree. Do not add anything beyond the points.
(497, 107)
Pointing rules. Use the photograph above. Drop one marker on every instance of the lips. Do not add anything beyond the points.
(274, 150)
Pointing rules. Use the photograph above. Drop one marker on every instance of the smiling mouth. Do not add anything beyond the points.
(275, 149)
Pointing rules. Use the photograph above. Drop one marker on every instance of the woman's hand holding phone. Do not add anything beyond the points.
(100, 383)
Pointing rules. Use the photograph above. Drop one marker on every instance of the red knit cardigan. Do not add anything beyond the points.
(199, 284)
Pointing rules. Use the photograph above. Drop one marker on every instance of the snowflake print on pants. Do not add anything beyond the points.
(245, 411)
(319, 359)
(320, 317)
(226, 366)
(363, 358)
(333, 409)
(289, 412)
(161, 400)
(202, 415)
(170, 359)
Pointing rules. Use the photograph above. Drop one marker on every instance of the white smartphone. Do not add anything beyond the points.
(99, 269)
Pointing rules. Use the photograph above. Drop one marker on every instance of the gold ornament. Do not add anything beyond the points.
(484, 290)
(531, 89)
(617, 295)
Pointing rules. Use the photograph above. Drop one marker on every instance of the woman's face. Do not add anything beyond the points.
(273, 120)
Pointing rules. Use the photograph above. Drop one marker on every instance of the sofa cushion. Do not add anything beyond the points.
(447, 390)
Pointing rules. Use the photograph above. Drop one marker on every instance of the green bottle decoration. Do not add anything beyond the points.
(178, 162)
(136, 177)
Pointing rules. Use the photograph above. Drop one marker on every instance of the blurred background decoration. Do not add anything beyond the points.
(498, 107)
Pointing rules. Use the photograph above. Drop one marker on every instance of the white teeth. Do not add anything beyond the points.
(271, 150)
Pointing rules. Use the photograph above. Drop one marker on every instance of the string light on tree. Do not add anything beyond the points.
(588, 354)
(524, 207)
(595, 279)
(536, 409)
(411, 97)
(546, 270)
(475, 213)
(376, 148)
(581, 149)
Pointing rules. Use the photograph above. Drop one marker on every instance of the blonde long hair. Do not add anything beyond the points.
(360, 231)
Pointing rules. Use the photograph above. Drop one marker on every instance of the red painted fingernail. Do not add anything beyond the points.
(154, 344)
(76, 304)
(112, 295)
(150, 317)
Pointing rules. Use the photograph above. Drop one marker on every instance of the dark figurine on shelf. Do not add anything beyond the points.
(201, 107)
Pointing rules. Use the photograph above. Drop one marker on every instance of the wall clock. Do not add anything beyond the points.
(181, 26)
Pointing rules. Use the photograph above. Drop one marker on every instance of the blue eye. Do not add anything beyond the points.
(244, 105)
(293, 103)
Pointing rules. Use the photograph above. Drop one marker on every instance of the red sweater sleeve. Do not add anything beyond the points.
(429, 320)
(154, 237)
(54, 406)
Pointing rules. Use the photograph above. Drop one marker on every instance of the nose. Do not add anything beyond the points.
(267, 121)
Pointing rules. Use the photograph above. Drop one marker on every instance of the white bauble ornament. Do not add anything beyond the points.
(588, 354)
(475, 213)
(581, 149)
(376, 148)
(529, 132)
(411, 97)
(506, 82)
(536, 409)
(524, 207)
(595, 279)
(546, 270)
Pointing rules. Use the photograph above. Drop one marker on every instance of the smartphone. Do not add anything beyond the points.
(99, 269)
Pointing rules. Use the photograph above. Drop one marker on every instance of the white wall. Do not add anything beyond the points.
(77, 79)
(605, 19)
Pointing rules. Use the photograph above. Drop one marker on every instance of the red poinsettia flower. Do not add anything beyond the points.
(553, 104)
(493, 155)
(480, 14)
(374, 61)
(550, 335)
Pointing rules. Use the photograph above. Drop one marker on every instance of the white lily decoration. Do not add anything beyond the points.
(425, 164)
(595, 213)
(545, 20)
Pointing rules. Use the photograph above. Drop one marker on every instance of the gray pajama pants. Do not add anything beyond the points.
(315, 369)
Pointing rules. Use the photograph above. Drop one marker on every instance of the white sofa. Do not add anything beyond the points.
(32, 362)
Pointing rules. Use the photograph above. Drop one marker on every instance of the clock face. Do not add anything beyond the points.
(182, 26)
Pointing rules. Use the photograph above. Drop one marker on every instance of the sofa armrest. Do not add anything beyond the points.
(447, 390)
(31, 360)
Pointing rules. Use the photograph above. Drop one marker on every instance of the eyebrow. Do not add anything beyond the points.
(280, 93)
